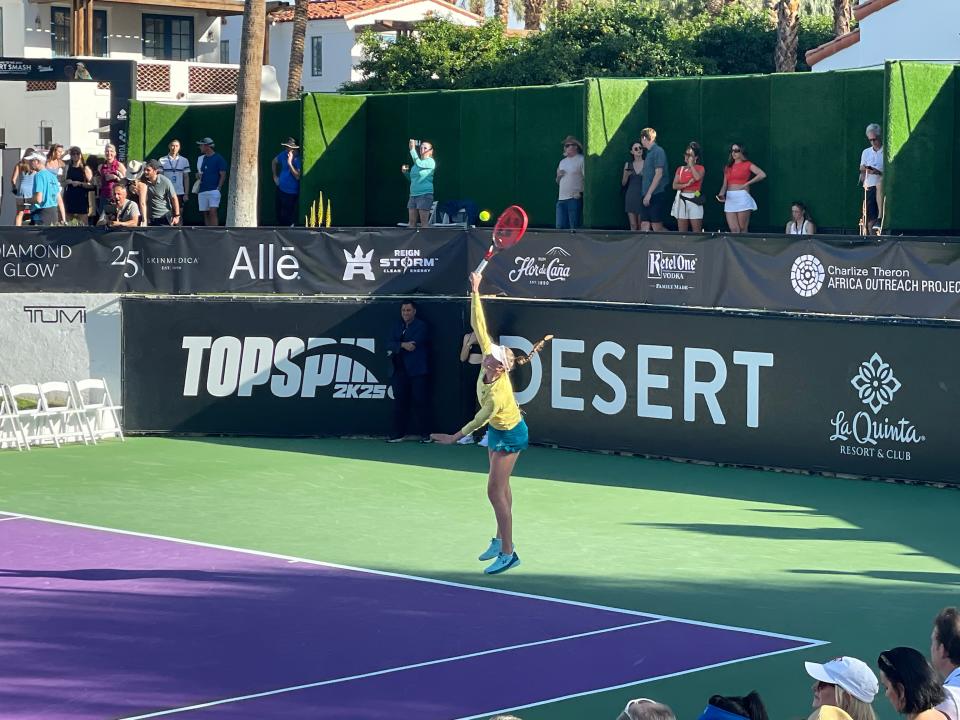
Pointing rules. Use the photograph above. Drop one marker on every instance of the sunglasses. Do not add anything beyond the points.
(735, 150)
(636, 148)
(566, 145)
(635, 701)
(822, 685)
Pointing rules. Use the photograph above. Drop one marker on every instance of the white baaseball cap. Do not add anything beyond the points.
(853, 675)
(499, 354)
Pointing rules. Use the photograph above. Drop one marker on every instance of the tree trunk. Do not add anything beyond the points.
(563, 5)
(242, 203)
(533, 13)
(788, 12)
(501, 11)
(842, 17)
(478, 7)
(295, 74)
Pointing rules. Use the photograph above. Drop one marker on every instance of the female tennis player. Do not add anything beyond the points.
(507, 434)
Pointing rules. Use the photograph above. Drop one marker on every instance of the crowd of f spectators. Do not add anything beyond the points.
(646, 183)
(845, 688)
(51, 190)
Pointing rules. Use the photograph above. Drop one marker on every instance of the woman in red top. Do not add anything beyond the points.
(738, 176)
(688, 204)
(110, 172)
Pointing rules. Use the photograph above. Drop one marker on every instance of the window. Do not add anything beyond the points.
(225, 52)
(316, 56)
(46, 136)
(167, 37)
(60, 23)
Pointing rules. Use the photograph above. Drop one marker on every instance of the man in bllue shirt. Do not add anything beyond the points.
(47, 206)
(287, 167)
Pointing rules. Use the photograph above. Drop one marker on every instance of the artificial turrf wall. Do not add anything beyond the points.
(857, 397)
(501, 146)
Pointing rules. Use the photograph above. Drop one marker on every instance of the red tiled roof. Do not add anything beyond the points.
(865, 8)
(869, 7)
(333, 9)
(822, 52)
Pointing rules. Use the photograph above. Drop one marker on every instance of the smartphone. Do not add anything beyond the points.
(719, 199)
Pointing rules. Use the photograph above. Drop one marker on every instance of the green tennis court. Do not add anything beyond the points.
(862, 565)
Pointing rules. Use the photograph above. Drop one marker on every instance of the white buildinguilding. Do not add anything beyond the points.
(893, 30)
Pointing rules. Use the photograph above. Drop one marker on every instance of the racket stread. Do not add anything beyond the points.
(510, 227)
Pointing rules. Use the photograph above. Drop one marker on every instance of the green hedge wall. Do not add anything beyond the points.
(808, 155)
(495, 147)
(921, 131)
(153, 125)
(616, 112)
(334, 146)
(501, 146)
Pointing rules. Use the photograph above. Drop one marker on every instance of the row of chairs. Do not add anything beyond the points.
(57, 412)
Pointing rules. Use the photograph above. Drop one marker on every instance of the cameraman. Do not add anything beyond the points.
(121, 212)
(420, 175)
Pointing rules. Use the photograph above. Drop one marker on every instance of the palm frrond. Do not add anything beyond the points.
(788, 24)
(295, 74)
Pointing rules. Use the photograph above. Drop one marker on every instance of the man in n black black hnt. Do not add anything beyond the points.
(408, 346)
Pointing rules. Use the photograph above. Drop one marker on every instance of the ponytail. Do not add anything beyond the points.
(537, 347)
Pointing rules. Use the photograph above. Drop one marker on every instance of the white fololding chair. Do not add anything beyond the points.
(93, 399)
(37, 418)
(60, 401)
(9, 416)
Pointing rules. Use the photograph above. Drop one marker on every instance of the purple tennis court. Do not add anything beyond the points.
(106, 624)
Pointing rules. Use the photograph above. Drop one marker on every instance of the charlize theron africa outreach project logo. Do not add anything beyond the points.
(876, 386)
(807, 275)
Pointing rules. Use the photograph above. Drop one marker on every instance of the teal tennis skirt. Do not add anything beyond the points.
(513, 440)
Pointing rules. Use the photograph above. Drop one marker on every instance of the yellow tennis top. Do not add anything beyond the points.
(497, 404)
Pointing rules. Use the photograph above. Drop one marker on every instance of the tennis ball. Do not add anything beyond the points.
(484, 215)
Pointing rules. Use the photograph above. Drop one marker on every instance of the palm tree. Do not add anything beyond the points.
(501, 11)
(478, 7)
(563, 5)
(242, 196)
(842, 17)
(295, 73)
(533, 13)
(788, 12)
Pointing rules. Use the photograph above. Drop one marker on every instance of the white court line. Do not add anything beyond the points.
(491, 713)
(401, 668)
(448, 583)
(13, 517)
(809, 642)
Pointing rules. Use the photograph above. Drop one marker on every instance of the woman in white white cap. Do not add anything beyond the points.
(845, 683)
(507, 435)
